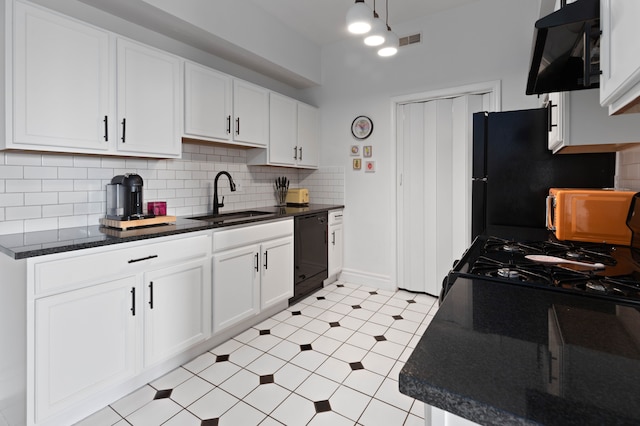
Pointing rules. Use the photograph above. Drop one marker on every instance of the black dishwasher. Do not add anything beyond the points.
(310, 253)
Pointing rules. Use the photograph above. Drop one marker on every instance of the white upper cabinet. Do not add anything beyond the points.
(61, 85)
(293, 135)
(149, 100)
(207, 103)
(62, 96)
(620, 56)
(220, 108)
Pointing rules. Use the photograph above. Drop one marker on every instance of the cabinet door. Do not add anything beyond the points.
(251, 112)
(85, 341)
(207, 103)
(277, 271)
(236, 291)
(308, 127)
(148, 101)
(336, 249)
(62, 83)
(619, 54)
(177, 311)
(283, 149)
(556, 108)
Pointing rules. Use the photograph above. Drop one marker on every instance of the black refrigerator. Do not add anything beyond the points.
(513, 170)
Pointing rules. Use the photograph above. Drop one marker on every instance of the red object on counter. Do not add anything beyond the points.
(158, 208)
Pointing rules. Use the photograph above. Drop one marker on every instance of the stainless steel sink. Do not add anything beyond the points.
(232, 216)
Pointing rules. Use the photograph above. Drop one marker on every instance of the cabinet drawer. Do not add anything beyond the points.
(81, 268)
(223, 240)
(335, 217)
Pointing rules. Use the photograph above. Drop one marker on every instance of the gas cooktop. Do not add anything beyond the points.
(503, 260)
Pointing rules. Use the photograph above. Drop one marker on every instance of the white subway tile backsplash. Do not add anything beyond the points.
(44, 191)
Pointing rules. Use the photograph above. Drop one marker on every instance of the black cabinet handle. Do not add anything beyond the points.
(143, 258)
(151, 295)
(228, 124)
(257, 265)
(300, 154)
(550, 109)
(238, 126)
(133, 301)
(106, 128)
(333, 238)
(124, 129)
(295, 152)
(265, 259)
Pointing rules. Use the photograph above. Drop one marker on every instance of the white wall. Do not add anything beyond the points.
(488, 40)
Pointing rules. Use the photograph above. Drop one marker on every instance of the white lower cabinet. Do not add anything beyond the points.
(252, 271)
(177, 310)
(90, 331)
(85, 341)
(336, 245)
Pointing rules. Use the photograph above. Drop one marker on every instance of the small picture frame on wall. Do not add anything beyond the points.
(367, 151)
(370, 166)
(355, 150)
(357, 164)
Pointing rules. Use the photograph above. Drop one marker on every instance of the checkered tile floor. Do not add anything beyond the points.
(331, 359)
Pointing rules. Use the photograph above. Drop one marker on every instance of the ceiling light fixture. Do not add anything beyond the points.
(390, 46)
(375, 37)
(359, 18)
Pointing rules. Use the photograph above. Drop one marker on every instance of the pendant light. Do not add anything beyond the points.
(375, 37)
(391, 43)
(359, 18)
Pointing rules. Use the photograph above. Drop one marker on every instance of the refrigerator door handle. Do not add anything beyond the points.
(484, 179)
(551, 201)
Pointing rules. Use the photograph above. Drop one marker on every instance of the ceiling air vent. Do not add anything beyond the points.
(411, 39)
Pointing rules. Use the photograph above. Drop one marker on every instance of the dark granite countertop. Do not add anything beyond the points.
(31, 244)
(498, 353)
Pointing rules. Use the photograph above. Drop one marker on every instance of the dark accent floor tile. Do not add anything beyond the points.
(373, 293)
(321, 298)
(397, 317)
(222, 358)
(306, 347)
(162, 394)
(356, 307)
(334, 324)
(411, 301)
(210, 422)
(356, 366)
(380, 338)
(263, 332)
(294, 313)
(266, 379)
(339, 285)
(322, 406)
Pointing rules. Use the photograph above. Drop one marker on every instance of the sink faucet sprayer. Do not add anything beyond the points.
(232, 186)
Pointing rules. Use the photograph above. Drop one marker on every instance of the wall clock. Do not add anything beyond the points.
(362, 127)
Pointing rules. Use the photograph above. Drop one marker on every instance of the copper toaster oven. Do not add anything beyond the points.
(592, 215)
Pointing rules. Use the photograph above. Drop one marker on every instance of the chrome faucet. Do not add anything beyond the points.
(232, 186)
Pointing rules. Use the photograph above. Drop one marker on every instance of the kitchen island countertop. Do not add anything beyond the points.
(39, 243)
(499, 353)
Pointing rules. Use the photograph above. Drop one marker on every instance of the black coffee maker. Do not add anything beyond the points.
(124, 198)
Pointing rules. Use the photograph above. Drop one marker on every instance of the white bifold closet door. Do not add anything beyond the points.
(434, 151)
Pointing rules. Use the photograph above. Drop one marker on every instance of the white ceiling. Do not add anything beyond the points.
(323, 21)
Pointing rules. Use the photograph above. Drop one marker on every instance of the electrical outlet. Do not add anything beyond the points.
(238, 187)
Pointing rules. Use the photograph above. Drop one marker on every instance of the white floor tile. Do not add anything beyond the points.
(303, 337)
(378, 363)
(213, 404)
(247, 336)
(398, 336)
(361, 340)
(265, 342)
(389, 393)
(330, 316)
(387, 348)
(105, 417)
(349, 402)
(269, 421)
(317, 326)
(266, 364)
(312, 311)
(241, 383)
(349, 353)
(285, 350)
(245, 355)
(351, 323)
(417, 409)
(267, 324)
(219, 372)
(172, 379)
(364, 381)
(295, 410)
(334, 369)
(362, 314)
(341, 308)
(414, 421)
(154, 413)
(241, 414)
(309, 360)
(373, 329)
(317, 388)
(297, 320)
(283, 330)
(227, 347)
(325, 345)
(329, 418)
(339, 333)
(380, 414)
(183, 418)
(200, 363)
(267, 397)
(134, 401)
(291, 376)
(191, 390)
